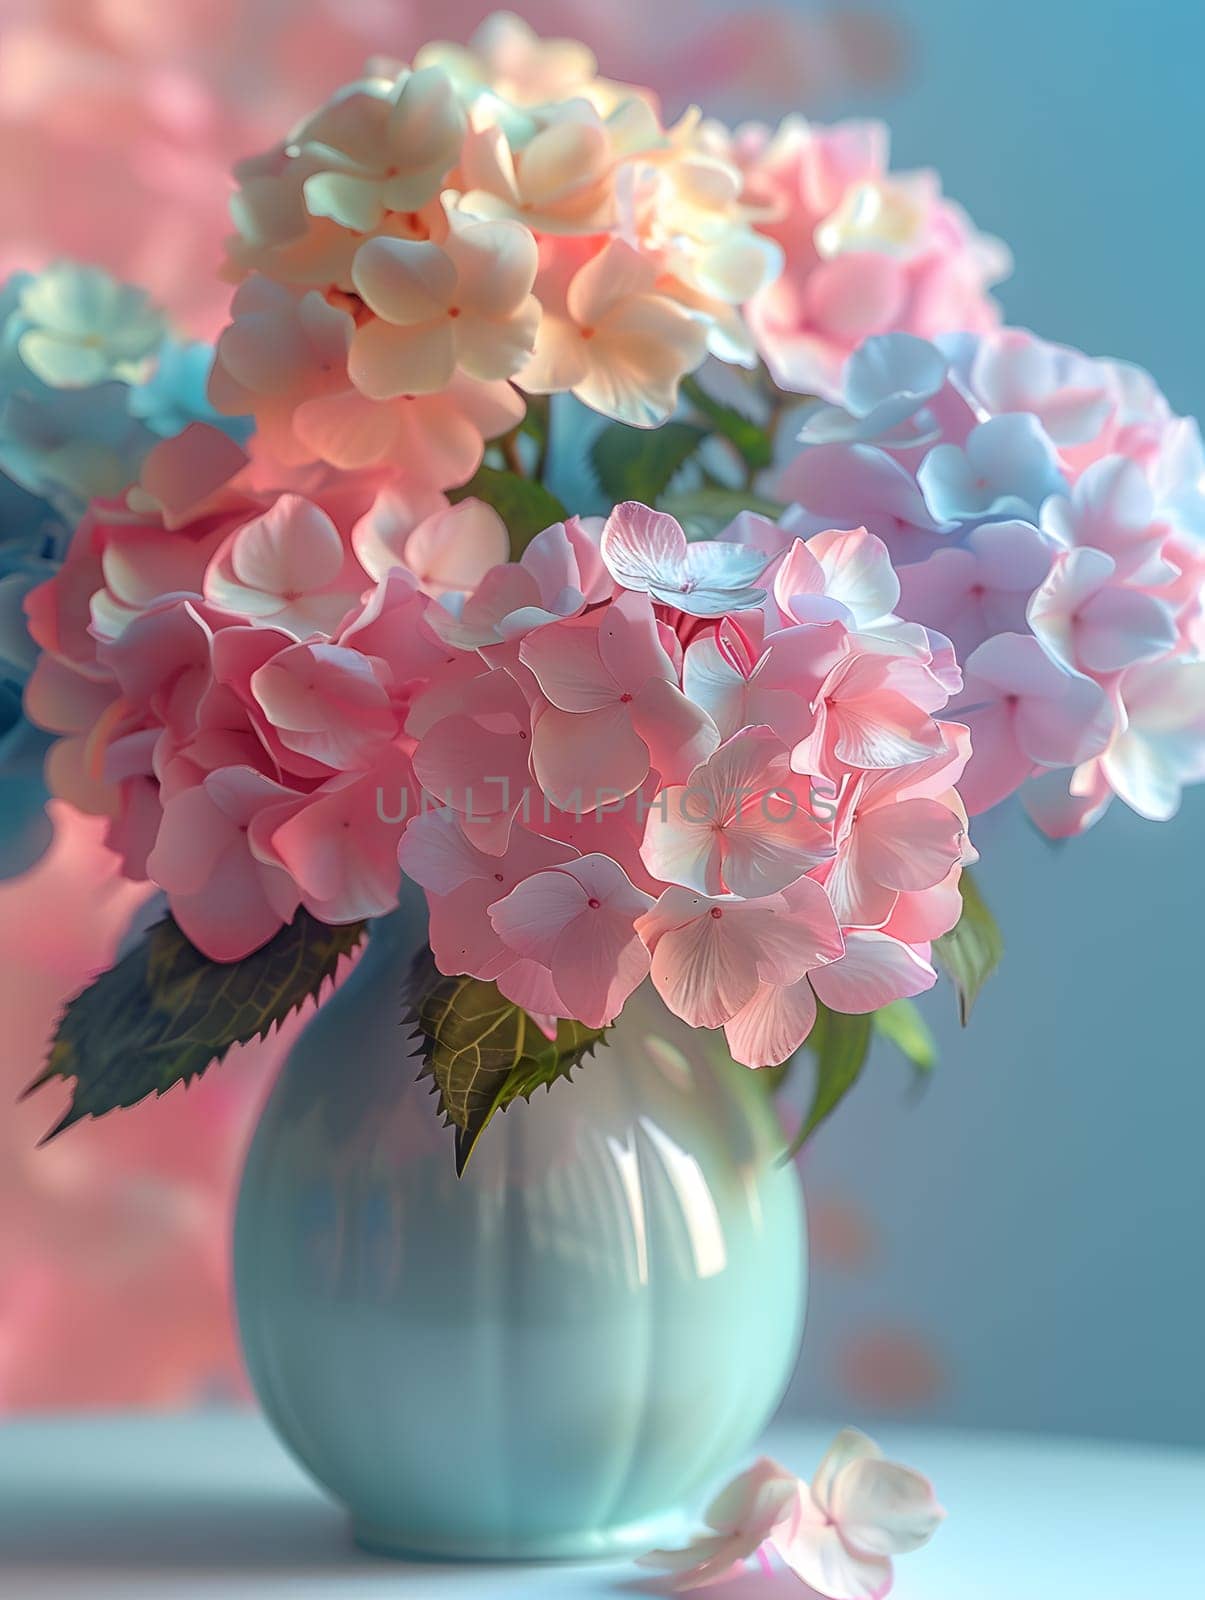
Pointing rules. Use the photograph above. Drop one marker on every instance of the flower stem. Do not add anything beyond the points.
(509, 445)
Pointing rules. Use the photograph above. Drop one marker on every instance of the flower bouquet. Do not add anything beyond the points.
(633, 550)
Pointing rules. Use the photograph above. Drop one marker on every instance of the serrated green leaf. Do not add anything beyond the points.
(840, 1044)
(640, 463)
(525, 506)
(483, 1051)
(706, 512)
(752, 442)
(165, 1012)
(900, 1022)
(972, 949)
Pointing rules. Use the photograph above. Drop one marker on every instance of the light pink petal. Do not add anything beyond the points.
(1067, 727)
(755, 1500)
(849, 1445)
(569, 667)
(349, 430)
(577, 920)
(705, 972)
(859, 900)
(379, 537)
(884, 1509)
(678, 734)
(629, 642)
(874, 970)
(817, 1554)
(642, 547)
(771, 844)
(533, 917)
(771, 1026)
(598, 969)
(496, 265)
(582, 760)
(482, 772)
(911, 844)
(1121, 627)
(711, 680)
(799, 573)
(883, 730)
(530, 985)
(184, 470)
(856, 295)
(706, 1560)
(856, 569)
(453, 548)
(293, 549)
(192, 837)
(791, 932)
(435, 853)
(998, 765)
(680, 844)
(232, 915)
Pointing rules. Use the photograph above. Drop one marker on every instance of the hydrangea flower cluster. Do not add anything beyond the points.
(622, 754)
(1046, 512)
(441, 239)
(865, 250)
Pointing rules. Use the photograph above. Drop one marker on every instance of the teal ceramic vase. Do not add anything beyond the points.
(547, 1356)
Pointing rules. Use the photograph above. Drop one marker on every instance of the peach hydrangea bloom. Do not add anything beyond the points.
(486, 216)
(867, 251)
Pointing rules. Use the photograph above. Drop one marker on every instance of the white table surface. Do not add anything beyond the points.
(180, 1508)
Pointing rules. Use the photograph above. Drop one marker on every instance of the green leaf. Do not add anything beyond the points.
(971, 951)
(525, 506)
(840, 1044)
(483, 1051)
(901, 1022)
(640, 463)
(751, 440)
(706, 512)
(165, 1012)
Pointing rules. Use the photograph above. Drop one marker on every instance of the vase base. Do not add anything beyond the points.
(590, 1544)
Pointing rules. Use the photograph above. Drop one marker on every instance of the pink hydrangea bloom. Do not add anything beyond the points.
(867, 250)
(233, 689)
(702, 796)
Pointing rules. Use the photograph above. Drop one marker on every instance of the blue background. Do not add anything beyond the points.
(1038, 1216)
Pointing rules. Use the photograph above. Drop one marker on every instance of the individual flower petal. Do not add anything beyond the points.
(1008, 468)
(647, 552)
(1089, 623)
(577, 920)
(884, 1508)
